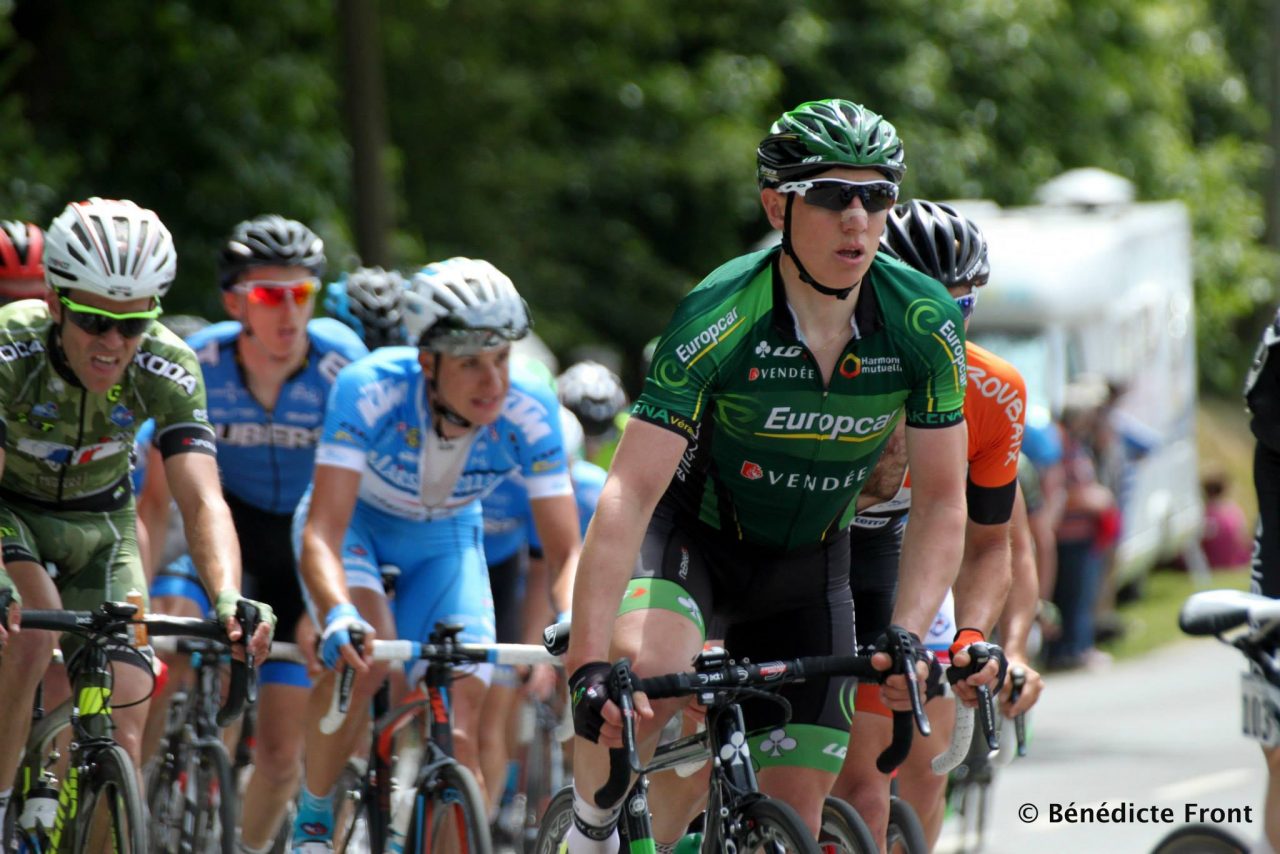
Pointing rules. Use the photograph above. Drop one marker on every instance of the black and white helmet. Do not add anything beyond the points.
(269, 241)
(375, 298)
(462, 306)
(593, 393)
(111, 248)
(939, 241)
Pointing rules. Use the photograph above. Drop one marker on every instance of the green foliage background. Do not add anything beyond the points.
(602, 153)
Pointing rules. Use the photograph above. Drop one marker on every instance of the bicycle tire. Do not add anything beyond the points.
(449, 803)
(216, 817)
(555, 823)
(1200, 839)
(543, 775)
(765, 821)
(905, 834)
(843, 831)
(970, 800)
(351, 814)
(110, 782)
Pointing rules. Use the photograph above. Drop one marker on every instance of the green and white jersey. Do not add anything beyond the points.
(69, 449)
(775, 457)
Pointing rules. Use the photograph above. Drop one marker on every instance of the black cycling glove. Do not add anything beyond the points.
(588, 692)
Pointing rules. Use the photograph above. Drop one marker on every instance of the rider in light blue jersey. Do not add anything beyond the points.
(413, 438)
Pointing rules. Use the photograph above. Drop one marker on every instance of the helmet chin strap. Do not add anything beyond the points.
(439, 407)
(838, 293)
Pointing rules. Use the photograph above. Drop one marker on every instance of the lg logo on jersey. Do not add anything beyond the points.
(763, 350)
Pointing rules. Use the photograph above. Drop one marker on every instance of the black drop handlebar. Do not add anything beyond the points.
(747, 678)
(110, 622)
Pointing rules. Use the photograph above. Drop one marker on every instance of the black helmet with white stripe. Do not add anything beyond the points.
(269, 241)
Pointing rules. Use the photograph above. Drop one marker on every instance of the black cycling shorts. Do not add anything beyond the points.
(269, 570)
(873, 577)
(765, 605)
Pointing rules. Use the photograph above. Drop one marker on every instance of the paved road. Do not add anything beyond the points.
(1159, 731)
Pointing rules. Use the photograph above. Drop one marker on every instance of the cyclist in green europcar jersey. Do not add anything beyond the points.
(766, 406)
(80, 371)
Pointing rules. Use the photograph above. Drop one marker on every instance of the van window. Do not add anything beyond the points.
(1028, 352)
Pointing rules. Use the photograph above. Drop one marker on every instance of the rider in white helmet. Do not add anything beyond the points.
(89, 365)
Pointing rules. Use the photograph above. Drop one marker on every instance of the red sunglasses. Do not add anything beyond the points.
(272, 294)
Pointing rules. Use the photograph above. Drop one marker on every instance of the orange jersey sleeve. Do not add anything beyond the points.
(995, 410)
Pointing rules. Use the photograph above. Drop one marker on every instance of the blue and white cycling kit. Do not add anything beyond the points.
(265, 458)
(510, 536)
(418, 505)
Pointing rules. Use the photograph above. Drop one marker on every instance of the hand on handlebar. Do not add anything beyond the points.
(335, 641)
(230, 605)
(982, 663)
(1032, 685)
(597, 718)
(897, 689)
(10, 612)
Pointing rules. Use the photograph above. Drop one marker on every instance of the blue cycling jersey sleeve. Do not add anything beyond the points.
(588, 480)
(266, 456)
(142, 453)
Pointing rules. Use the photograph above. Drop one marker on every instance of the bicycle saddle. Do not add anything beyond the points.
(1211, 612)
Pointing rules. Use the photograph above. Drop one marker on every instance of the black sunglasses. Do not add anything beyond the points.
(835, 195)
(97, 321)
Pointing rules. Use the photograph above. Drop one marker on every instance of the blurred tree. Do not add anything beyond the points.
(364, 96)
(208, 113)
(602, 154)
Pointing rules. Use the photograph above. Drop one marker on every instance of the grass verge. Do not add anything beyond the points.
(1152, 620)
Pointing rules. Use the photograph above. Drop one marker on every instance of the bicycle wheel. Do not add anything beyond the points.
(351, 813)
(970, 802)
(906, 834)
(555, 823)
(165, 801)
(843, 830)
(1200, 839)
(216, 819)
(110, 815)
(449, 814)
(543, 775)
(769, 826)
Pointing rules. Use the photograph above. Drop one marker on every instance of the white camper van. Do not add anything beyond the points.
(1091, 283)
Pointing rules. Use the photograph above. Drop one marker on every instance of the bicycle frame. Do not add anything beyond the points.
(88, 714)
(733, 780)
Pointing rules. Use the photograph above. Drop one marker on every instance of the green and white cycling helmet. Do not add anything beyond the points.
(463, 306)
(819, 135)
(112, 248)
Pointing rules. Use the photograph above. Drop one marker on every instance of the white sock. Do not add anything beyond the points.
(589, 814)
(576, 843)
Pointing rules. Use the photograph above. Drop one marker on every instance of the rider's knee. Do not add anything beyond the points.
(26, 656)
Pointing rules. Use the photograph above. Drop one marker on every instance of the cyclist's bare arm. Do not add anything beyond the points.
(886, 478)
(556, 518)
(1020, 607)
(333, 500)
(933, 543)
(211, 535)
(7, 584)
(641, 470)
(153, 512)
(985, 573)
